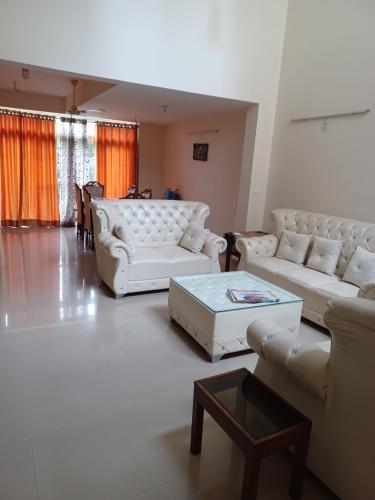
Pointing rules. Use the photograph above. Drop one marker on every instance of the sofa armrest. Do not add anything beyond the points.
(112, 246)
(258, 246)
(214, 245)
(367, 291)
(306, 363)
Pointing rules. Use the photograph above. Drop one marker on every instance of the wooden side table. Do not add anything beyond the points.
(231, 244)
(257, 419)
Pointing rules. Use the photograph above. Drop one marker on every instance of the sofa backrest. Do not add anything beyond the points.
(353, 233)
(151, 223)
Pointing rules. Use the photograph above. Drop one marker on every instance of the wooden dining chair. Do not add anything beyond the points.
(91, 190)
(133, 194)
(80, 211)
(147, 193)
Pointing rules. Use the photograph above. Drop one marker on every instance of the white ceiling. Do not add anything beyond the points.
(142, 103)
(124, 101)
(41, 81)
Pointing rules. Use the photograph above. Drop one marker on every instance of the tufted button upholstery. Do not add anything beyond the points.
(352, 233)
(259, 256)
(343, 377)
(263, 246)
(156, 225)
(306, 363)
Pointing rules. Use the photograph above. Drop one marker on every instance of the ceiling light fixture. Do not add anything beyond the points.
(74, 110)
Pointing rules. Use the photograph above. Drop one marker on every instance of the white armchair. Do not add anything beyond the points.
(334, 387)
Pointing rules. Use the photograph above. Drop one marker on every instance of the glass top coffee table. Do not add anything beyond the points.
(259, 421)
(202, 306)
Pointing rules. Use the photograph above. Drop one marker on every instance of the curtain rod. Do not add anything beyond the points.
(200, 132)
(26, 114)
(4, 109)
(117, 124)
(336, 115)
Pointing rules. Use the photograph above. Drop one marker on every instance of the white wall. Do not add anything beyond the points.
(151, 156)
(328, 67)
(217, 47)
(215, 182)
(28, 100)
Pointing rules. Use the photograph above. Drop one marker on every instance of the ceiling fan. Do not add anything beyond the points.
(74, 110)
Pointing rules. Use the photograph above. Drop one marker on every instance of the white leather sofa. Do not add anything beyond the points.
(332, 385)
(156, 228)
(316, 288)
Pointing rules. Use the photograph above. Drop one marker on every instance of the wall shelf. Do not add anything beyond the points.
(336, 115)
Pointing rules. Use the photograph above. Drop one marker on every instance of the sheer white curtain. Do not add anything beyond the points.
(75, 149)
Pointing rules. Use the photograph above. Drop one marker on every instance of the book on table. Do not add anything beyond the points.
(252, 296)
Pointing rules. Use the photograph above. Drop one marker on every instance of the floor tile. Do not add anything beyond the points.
(96, 393)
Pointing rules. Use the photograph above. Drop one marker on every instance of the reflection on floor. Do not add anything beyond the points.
(96, 393)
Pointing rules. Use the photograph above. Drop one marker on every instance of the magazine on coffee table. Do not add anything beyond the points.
(252, 296)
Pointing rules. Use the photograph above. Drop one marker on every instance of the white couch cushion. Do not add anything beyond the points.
(194, 238)
(293, 246)
(361, 268)
(307, 277)
(154, 263)
(266, 267)
(315, 287)
(324, 255)
(303, 283)
(317, 298)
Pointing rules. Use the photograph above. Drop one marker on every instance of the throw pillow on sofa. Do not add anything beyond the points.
(123, 234)
(194, 238)
(361, 268)
(293, 246)
(324, 255)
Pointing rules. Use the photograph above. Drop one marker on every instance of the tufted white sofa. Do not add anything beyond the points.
(333, 385)
(316, 288)
(156, 228)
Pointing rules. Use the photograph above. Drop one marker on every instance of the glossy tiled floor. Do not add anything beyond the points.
(96, 393)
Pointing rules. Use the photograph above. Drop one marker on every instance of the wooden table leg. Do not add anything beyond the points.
(250, 477)
(196, 426)
(299, 464)
(227, 259)
(231, 240)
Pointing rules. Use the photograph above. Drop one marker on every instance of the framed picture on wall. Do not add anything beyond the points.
(200, 151)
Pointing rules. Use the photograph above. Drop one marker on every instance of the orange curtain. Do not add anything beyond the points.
(10, 168)
(116, 159)
(28, 180)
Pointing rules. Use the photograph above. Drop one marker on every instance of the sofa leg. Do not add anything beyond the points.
(119, 295)
(215, 358)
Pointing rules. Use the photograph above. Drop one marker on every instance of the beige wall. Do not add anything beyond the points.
(328, 67)
(217, 47)
(151, 154)
(215, 182)
(27, 100)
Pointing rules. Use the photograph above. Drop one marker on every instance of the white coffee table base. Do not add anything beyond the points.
(220, 333)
